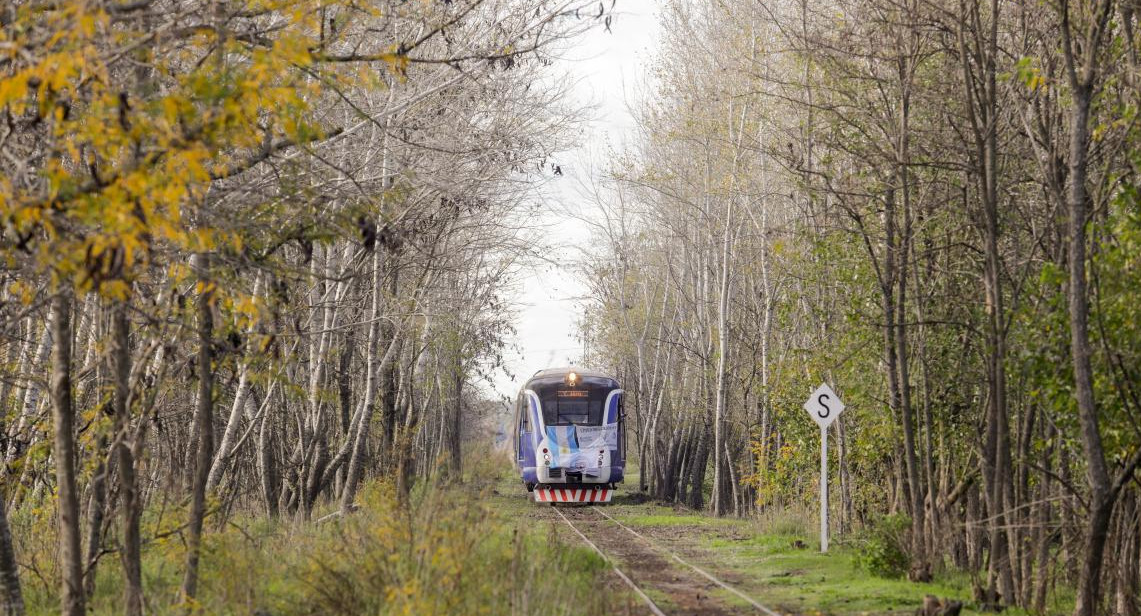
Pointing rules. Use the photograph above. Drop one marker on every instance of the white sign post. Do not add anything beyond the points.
(824, 407)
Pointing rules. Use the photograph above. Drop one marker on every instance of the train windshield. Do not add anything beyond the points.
(583, 405)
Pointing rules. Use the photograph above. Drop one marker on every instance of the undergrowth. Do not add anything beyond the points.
(883, 546)
(441, 551)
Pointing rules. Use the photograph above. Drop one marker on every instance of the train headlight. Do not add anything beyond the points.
(547, 459)
(572, 379)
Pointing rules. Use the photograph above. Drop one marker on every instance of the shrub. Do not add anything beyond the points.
(796, 520)
(440, 552)
(882, 546)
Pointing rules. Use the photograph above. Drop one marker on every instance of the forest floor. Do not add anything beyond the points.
(775, 560)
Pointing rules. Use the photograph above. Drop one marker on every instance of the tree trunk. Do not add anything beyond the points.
(358, 433)
(1101, 499)
(204, 428)
(267, 470)
(695, 497)
(455, 429)
(96, 508)
(980, 47)
(64, 452)
(30, 397)
(230, 434)
(128, 488)
(719, 447)
(12, 597)
(919, 566)
(388, 392)
(1045, 514)
(1128, 593)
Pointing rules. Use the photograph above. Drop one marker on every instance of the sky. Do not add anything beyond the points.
(608, 72)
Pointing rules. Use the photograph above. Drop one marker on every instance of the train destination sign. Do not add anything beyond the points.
(824, 405)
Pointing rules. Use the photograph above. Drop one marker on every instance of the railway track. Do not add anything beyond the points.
(761, 608)
(696, 605)
(654, 609)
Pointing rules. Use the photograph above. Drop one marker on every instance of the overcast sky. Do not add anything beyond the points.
(608, 70)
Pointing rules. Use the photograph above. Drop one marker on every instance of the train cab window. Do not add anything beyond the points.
(580, 405)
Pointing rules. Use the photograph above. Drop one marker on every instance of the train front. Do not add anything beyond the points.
(570, 427)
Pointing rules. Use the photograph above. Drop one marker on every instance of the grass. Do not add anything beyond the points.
(776, 560)
(475, 549)
(663, 516)
(802, 578)
(447, 550)
(774, 557)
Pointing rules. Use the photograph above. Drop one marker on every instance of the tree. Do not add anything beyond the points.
(273, 190)
(929, 243)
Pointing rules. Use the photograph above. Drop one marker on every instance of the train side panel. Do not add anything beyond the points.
(614, 412)
(526, 438)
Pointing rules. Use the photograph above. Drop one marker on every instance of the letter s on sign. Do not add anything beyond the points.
(827, 411)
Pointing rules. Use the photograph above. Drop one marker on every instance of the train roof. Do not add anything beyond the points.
(562, 371)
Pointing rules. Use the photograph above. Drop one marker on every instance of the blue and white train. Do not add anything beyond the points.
(570, 436)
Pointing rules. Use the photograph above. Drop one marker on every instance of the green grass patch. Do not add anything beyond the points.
(651, 514)
(805, 579)
(776, 560)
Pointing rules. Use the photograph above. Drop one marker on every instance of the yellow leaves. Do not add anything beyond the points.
(178, 273)
(116, 289)
(58, 61)
(366, 77)
(397, 62)
(87, 23)
(246, 310)
(1027, 72)
(293, 50)
(25, 292)
(105, 263)
(1035, 81)
(13, 89)
(1102, 129)
(778, 247)
(202, 240)
(127, 159)
(171, 108)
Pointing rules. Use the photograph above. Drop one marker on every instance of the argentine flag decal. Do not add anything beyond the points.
(564, 446)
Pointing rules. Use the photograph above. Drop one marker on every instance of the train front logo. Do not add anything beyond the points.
(569, 435)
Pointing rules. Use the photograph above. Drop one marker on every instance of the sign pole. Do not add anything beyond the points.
(824, 407)
(823, 489)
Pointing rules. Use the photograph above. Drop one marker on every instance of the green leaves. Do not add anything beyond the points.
(1026, 73)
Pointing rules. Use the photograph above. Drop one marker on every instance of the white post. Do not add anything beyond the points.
(823, 489)
(824, 407)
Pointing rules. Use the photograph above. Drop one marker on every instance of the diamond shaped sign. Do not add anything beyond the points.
(824, 405)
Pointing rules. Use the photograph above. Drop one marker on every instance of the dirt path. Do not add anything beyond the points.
(684, 592)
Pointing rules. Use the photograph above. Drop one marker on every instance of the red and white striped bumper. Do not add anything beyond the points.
(573, 495)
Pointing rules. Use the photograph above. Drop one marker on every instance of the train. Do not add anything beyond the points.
(569, 435)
